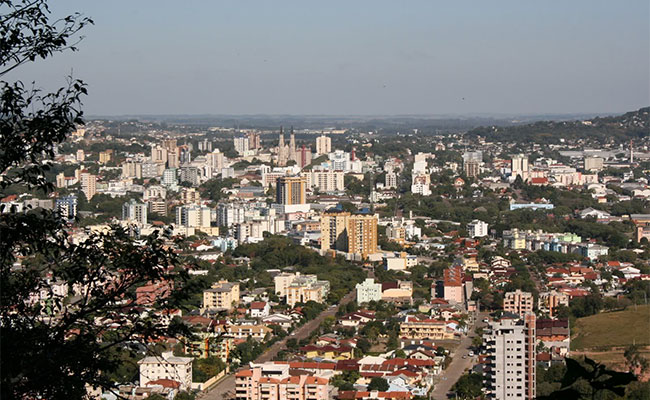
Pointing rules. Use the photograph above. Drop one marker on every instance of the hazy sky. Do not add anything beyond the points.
(358, 57)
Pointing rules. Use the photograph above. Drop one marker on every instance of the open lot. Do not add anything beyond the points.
(612, 329)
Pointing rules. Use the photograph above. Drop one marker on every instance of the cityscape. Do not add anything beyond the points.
(307, 257)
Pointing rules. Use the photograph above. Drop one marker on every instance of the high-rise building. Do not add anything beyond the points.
(158, 154)
(350, 233)
(362, 238)
(328, 180)
(520, 166)
(304, 157)
(67, 207)
(510, 345)
(472, 168)
(81, 156)
(88, 185)
(105, 156)
(215, 160)
(193, 216)
(593, 163)
(241, 144)
(368, 291)
(170, 177)
(518, 302)
(477, 228)
(323, 145)
(391, 180)
(131, 169)
(291, 190)
(254, 142)
(135, 212)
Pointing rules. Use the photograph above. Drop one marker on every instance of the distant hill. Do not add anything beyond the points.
(631, 125)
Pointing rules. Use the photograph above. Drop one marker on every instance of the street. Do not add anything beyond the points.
(458, 365)
(225, 389)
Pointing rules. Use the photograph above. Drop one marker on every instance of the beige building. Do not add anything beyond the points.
(298, 288)
(550, 301)
(88, 185)
(105, 156)
(257, 332)
(350, 233)
(414, 328)
(323, 145)
(166, 366)
(223, 295)
(518, 302)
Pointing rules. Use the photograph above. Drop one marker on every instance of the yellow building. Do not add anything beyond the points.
(221, 296)
(291, 190)
(350, 233)
(413, 328)
(105, 156)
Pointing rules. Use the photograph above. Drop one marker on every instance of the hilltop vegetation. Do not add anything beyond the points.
(631, 125)
(613, 329)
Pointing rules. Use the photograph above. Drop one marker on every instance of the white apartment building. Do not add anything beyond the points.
(368, 291)
(241, 144)
(511, 353)
(135, 212)
(391, 180)
(327, 180)
(193, 216)
(166, 366)
(477, 228)
(323, 145)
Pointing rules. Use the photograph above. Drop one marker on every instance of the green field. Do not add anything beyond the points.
(612, 329)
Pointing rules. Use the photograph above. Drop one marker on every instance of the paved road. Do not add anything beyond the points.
(458, 364)
(225, 389)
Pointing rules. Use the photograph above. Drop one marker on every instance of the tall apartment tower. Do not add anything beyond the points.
(323, 145)
(520, 166)
(510, 347)
(350, 233)
(88, 185)
(254, 142)
(291, 190)
(135, 212)
(242, 144)
(518, 302)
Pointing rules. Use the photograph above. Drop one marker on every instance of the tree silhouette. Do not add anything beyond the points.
(66, 306)
(588, 380)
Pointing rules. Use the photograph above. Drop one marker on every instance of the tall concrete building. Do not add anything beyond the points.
(518, 302)
(520, 166)
(134, 212)
(254, 142)
(291, 190)
(350, 233)
(472, 168)
(241, 145)
(323, 145)
(193, 216)
(88, 184)
(511, 371)
(593, 163)
(477, 228)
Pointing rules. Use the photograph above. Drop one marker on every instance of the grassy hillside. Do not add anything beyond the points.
(619, 328)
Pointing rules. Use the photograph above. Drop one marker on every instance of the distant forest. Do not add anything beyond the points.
(631, 125)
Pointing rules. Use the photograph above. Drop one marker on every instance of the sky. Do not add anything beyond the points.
(357, 57)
